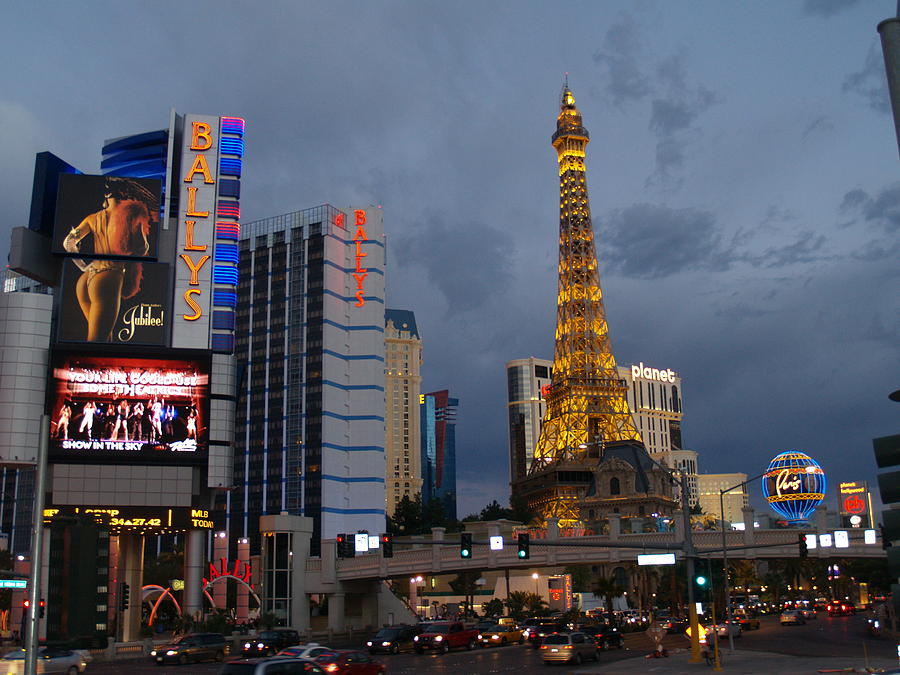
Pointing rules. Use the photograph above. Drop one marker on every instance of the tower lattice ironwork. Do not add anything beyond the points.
(587, 406)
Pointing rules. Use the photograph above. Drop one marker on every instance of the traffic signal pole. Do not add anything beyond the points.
(37, 545)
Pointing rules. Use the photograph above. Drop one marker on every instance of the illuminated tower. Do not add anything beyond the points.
(587, 405)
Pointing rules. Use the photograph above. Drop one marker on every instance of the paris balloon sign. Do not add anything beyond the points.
(794, 485)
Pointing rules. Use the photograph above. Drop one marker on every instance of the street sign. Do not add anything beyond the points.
(841, 539)
(496, 543)
(361, 542)
(656, 559)
(13, 583)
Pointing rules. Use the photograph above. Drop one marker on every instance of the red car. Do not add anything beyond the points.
(346, 662)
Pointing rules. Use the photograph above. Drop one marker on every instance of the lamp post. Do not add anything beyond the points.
(536, 576)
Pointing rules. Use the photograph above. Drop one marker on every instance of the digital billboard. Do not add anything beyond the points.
(855, 504)
(104, 217)
(108, 408)
(138, 315)
(146, 520)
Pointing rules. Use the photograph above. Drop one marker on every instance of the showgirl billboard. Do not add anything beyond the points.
(112, 408)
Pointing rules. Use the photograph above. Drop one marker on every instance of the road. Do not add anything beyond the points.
(837, 636)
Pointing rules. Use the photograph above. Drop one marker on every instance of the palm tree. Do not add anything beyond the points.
(607, 588)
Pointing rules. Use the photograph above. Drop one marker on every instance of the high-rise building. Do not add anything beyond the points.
(526, 381)
(654, 397)
(310, 348)
(710, 484)
(587, 399)
(438, 413)
(403, 384)
(685, 462)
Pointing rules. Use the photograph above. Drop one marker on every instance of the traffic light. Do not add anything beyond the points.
(465, 545)
(26, 604)
(123, 598)
(42, 607)
(701, 587)
(801, 542)
(387, 545)
(524, 547)
(340, 544)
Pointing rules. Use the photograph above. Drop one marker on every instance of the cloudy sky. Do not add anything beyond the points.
(742, 173)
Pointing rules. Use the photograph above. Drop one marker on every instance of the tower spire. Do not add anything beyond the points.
(587, 405)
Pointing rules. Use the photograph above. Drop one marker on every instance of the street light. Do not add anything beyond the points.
(536, 576)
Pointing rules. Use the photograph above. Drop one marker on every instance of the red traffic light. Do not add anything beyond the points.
(385, 538)
(26, 604)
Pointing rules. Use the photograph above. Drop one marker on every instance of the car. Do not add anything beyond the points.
(572, 647)
(272, 666)
(394, 639)
(191, 648)
(270, 642)
(746, 620)
(840, 608)
(537, 632)
(312, 650)
(49, 660)
(808, 613)
(791, 617)
(675, 625)
(723, 629)
(501, 635)
(350, 662)
(605, 636)
(442, 636)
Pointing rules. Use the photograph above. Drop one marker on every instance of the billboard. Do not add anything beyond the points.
(108, 408)
(146, 520)
(794, 485)
(855, 504)
(139, 315)
(106, 217)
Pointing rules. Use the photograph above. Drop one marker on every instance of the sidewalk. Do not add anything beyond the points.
(742, 662)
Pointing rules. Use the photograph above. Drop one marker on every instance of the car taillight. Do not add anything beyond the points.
(544, 647)
(331, 668)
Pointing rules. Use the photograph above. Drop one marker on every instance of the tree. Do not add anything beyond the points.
(494, 511)
(493, 608)
(608, 589)
(407, 518)
(515, 604)
(536, 605)
(696, 510)
(465, 584)
(581, 577)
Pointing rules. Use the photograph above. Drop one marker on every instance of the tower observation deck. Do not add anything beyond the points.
(587, 405)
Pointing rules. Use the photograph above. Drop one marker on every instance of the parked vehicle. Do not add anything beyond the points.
(501, 635)
(49, 660)
(191, 648)
(568, 647)
(272, 666)
(394, 640)
(442, 636)
(349, 662)
(270, 642)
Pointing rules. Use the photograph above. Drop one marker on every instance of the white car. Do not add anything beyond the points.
(313, 650)
(49, 660)
(791, 616)
(722, 629)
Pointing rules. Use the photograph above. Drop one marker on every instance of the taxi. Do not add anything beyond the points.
(500, 635)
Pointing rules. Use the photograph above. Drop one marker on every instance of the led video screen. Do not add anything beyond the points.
(114, 409)
(103, 217)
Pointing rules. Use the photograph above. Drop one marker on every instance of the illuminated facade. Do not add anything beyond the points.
(438, 412)
(708, 486)
(587, 403)
(526, 381)
(310, 431)
(403, 384)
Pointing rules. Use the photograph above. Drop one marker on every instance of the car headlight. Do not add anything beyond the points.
(495, 637)
(259, 645)
(416, 638)
(171, 652)
(246, 645)
(439, 638)
(369, 643)
(153, 653)
(480, 637)
(384, 644)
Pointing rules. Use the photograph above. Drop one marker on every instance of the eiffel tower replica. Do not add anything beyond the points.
(587, 406)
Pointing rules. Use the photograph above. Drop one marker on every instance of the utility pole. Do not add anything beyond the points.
(37, 542)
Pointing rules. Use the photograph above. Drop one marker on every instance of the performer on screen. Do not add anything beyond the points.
(156, 408)
(119, 228)
(192, 423)
(87, 418)
(121, 420)
(62, 423)
(134, 421)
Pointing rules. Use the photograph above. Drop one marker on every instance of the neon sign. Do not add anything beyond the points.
(201, 141)
(794, 485)
(360, 273)
(240, 571)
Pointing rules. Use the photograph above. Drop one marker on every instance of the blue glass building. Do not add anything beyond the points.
(438, 428)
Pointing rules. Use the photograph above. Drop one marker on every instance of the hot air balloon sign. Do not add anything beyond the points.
(794, 485)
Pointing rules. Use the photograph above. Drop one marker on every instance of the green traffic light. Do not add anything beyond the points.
(464, 553)
(701, 581)
(521, 554)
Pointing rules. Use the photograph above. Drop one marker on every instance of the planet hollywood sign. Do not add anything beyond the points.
(641, 371)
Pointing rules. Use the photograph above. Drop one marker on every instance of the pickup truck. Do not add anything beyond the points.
(442, 636)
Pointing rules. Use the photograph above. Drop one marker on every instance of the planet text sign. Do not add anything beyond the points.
(855, 504)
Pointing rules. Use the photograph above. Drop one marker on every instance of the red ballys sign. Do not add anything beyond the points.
(360, 273)
(240, 570)
(854, 504)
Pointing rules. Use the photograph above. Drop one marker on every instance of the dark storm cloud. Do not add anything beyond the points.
(619, 58)
(870, 81)
(649, 241)
(881, 211)
(466, 262)
(827, 7)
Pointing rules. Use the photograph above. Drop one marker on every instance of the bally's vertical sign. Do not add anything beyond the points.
(196, 222)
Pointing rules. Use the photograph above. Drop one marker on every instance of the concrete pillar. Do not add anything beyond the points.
(821, 519)
(493, 531)
(749, 530)
(242, 611)
(194, 554)
(131, 572)
(552, 528)
(220, 553)
(336, 619)
(615, 526)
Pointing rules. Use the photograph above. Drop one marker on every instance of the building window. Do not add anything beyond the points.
(614, 487)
